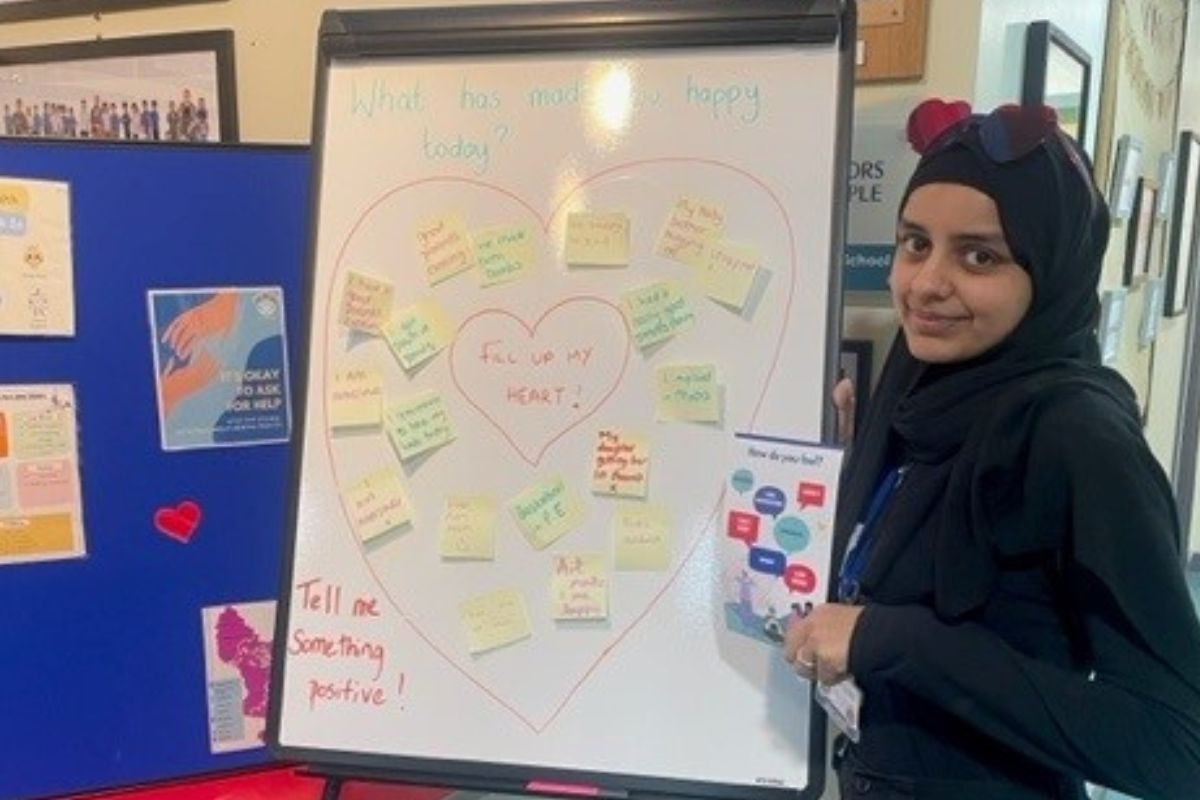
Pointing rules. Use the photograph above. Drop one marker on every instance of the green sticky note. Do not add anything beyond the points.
(417, 333)
(656, 312)
(546, 511)
(503, 254)
(687, 393)
(418, 424)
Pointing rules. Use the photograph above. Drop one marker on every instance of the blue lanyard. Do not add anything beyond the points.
(862, 539)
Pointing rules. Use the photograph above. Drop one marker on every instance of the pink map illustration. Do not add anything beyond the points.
(240, 646)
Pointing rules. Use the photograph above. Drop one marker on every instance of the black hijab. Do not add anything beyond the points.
(966, 428)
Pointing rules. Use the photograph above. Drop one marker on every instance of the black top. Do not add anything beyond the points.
(1049, 679)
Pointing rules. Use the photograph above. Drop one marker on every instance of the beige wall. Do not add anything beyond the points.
(275, 43)
(1154, 373)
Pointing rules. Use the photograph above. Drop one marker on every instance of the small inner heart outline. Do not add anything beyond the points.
(531, 330)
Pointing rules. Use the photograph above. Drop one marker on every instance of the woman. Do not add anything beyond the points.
(1012, 603)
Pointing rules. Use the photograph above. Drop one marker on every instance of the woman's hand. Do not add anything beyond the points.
(818, 645)
(843, 403)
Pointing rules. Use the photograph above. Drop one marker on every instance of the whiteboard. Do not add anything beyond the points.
(375, 666)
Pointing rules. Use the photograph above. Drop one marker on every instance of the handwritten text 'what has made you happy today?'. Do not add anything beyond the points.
(487, 114)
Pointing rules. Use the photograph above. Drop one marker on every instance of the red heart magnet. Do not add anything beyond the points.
(180, 522)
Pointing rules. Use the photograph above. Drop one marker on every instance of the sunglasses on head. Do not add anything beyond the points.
(1007, 134)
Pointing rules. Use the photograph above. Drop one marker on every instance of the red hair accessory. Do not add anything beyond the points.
(931, 119)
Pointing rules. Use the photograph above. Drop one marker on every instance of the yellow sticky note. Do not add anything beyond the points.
(418, 424)
(445, 247)
(366, 302)
(656, 312)
(42, 434)
(503, 254)
(641, 537)
(728, 273)
(418, 332)
(691, 226)
(378, 504)
(579, 587)
(621, 463)
(495, 619)
(546, 511)
(597, 239)
(468, 528)
(356, 398)
(687, 393)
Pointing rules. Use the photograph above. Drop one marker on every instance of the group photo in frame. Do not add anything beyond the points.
(1182, 248)
(170, 88)
(13, 10)
(1058, 73)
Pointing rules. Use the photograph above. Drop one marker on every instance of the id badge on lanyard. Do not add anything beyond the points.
(862, 539)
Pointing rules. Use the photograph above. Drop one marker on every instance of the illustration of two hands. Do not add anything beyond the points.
(191, 368)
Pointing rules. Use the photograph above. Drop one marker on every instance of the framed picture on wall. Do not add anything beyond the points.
(1139, 237)
(1166, 185)
(11, 10)
(1127, 167)
(176, 88)
(1182, 250)
(1112, 323)
(855, 363)
(1058, 73)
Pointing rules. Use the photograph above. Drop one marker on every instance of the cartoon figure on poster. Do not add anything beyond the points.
(778, 516)
(221, 367)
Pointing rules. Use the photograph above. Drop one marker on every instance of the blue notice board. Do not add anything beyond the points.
(102, 676)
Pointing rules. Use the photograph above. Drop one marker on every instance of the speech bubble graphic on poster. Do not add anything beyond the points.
(792, 534)
(742, 525)
(770, 500)
(742, 481)
(800, 578)
(810, 494)
(768, 562)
